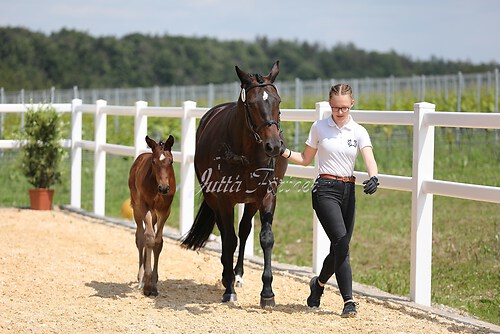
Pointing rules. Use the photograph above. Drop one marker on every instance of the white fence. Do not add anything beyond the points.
(423, 118)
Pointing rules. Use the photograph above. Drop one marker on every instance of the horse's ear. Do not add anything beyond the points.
(169, 143)
(244, 77)
(151, 143)
(274, 71)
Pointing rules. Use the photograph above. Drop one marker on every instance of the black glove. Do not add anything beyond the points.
(370, 186)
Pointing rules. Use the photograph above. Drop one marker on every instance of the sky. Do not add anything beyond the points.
(454, 30)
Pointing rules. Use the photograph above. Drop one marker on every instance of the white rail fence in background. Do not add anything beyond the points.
(421, 184)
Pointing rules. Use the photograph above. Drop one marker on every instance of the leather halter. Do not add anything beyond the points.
(250, 125)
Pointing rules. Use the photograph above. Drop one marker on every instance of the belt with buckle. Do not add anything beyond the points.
(349, 179)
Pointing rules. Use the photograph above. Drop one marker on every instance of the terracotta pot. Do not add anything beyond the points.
(41, 198)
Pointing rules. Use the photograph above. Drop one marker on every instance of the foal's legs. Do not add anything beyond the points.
(139, 213)
(158, 246)
(149, 236)
(244, 230)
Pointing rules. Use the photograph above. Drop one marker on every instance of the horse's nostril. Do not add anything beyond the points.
(163, 190)
(272, 150)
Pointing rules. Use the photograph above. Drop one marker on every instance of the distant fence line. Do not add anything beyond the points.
(418, 87)
(452, 88)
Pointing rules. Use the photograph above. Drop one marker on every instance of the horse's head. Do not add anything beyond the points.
(162, 161)
(261, 103)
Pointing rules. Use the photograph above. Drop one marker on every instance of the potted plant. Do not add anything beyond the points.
(42, 153)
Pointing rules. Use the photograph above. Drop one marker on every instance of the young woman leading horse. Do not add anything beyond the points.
(152, 189)
(238, 160)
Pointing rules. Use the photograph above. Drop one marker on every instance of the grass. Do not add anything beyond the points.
(466, 245)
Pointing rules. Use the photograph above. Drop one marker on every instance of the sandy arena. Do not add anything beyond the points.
(62, 272)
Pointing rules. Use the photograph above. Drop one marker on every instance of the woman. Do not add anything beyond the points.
(337, 140)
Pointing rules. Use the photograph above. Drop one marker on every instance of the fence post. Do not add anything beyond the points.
(421, 218)
(478, 92)
(298, 105)
(321, 243)
(388, 94)
(22, 114)
(99, 159)
(497, 84)
(211, 95)
(140, 128)
(188, 143)
(460, 89)
(422, 88)
(52, 94)
(156, 96)
(76, 155)
(2, 116)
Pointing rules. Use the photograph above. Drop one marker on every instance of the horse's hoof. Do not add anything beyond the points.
(239, 281)
(267, 302)
(149, 291)
(229, 297)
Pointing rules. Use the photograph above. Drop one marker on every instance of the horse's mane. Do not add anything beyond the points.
(258, 77)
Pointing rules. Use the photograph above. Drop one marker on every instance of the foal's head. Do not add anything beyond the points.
(161, 162)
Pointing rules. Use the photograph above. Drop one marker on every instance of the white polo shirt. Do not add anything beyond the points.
(337, 147)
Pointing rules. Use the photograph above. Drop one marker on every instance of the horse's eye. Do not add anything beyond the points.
(154, 161)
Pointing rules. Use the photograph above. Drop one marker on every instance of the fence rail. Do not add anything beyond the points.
(416, 88)
(421, 184)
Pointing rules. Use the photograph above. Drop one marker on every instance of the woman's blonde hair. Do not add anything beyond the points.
(340, 89)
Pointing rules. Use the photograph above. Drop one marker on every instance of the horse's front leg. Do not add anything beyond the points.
(149, 241)
(245, 227)
(225, 222)
(267, 243)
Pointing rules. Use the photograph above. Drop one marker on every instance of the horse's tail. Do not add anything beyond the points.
(203, 226)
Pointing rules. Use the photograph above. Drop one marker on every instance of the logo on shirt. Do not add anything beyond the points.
(352, 143)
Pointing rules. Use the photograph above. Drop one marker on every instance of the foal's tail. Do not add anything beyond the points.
(202, 228)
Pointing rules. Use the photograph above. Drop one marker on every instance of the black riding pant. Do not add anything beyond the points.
(334, 202)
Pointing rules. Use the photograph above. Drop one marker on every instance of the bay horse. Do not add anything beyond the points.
(238, 160)
(152, 189)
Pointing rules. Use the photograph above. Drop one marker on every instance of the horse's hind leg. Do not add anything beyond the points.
(245, 227)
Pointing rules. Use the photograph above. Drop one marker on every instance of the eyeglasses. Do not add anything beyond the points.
(343, 109)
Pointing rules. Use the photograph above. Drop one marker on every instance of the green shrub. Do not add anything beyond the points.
(41, 148)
